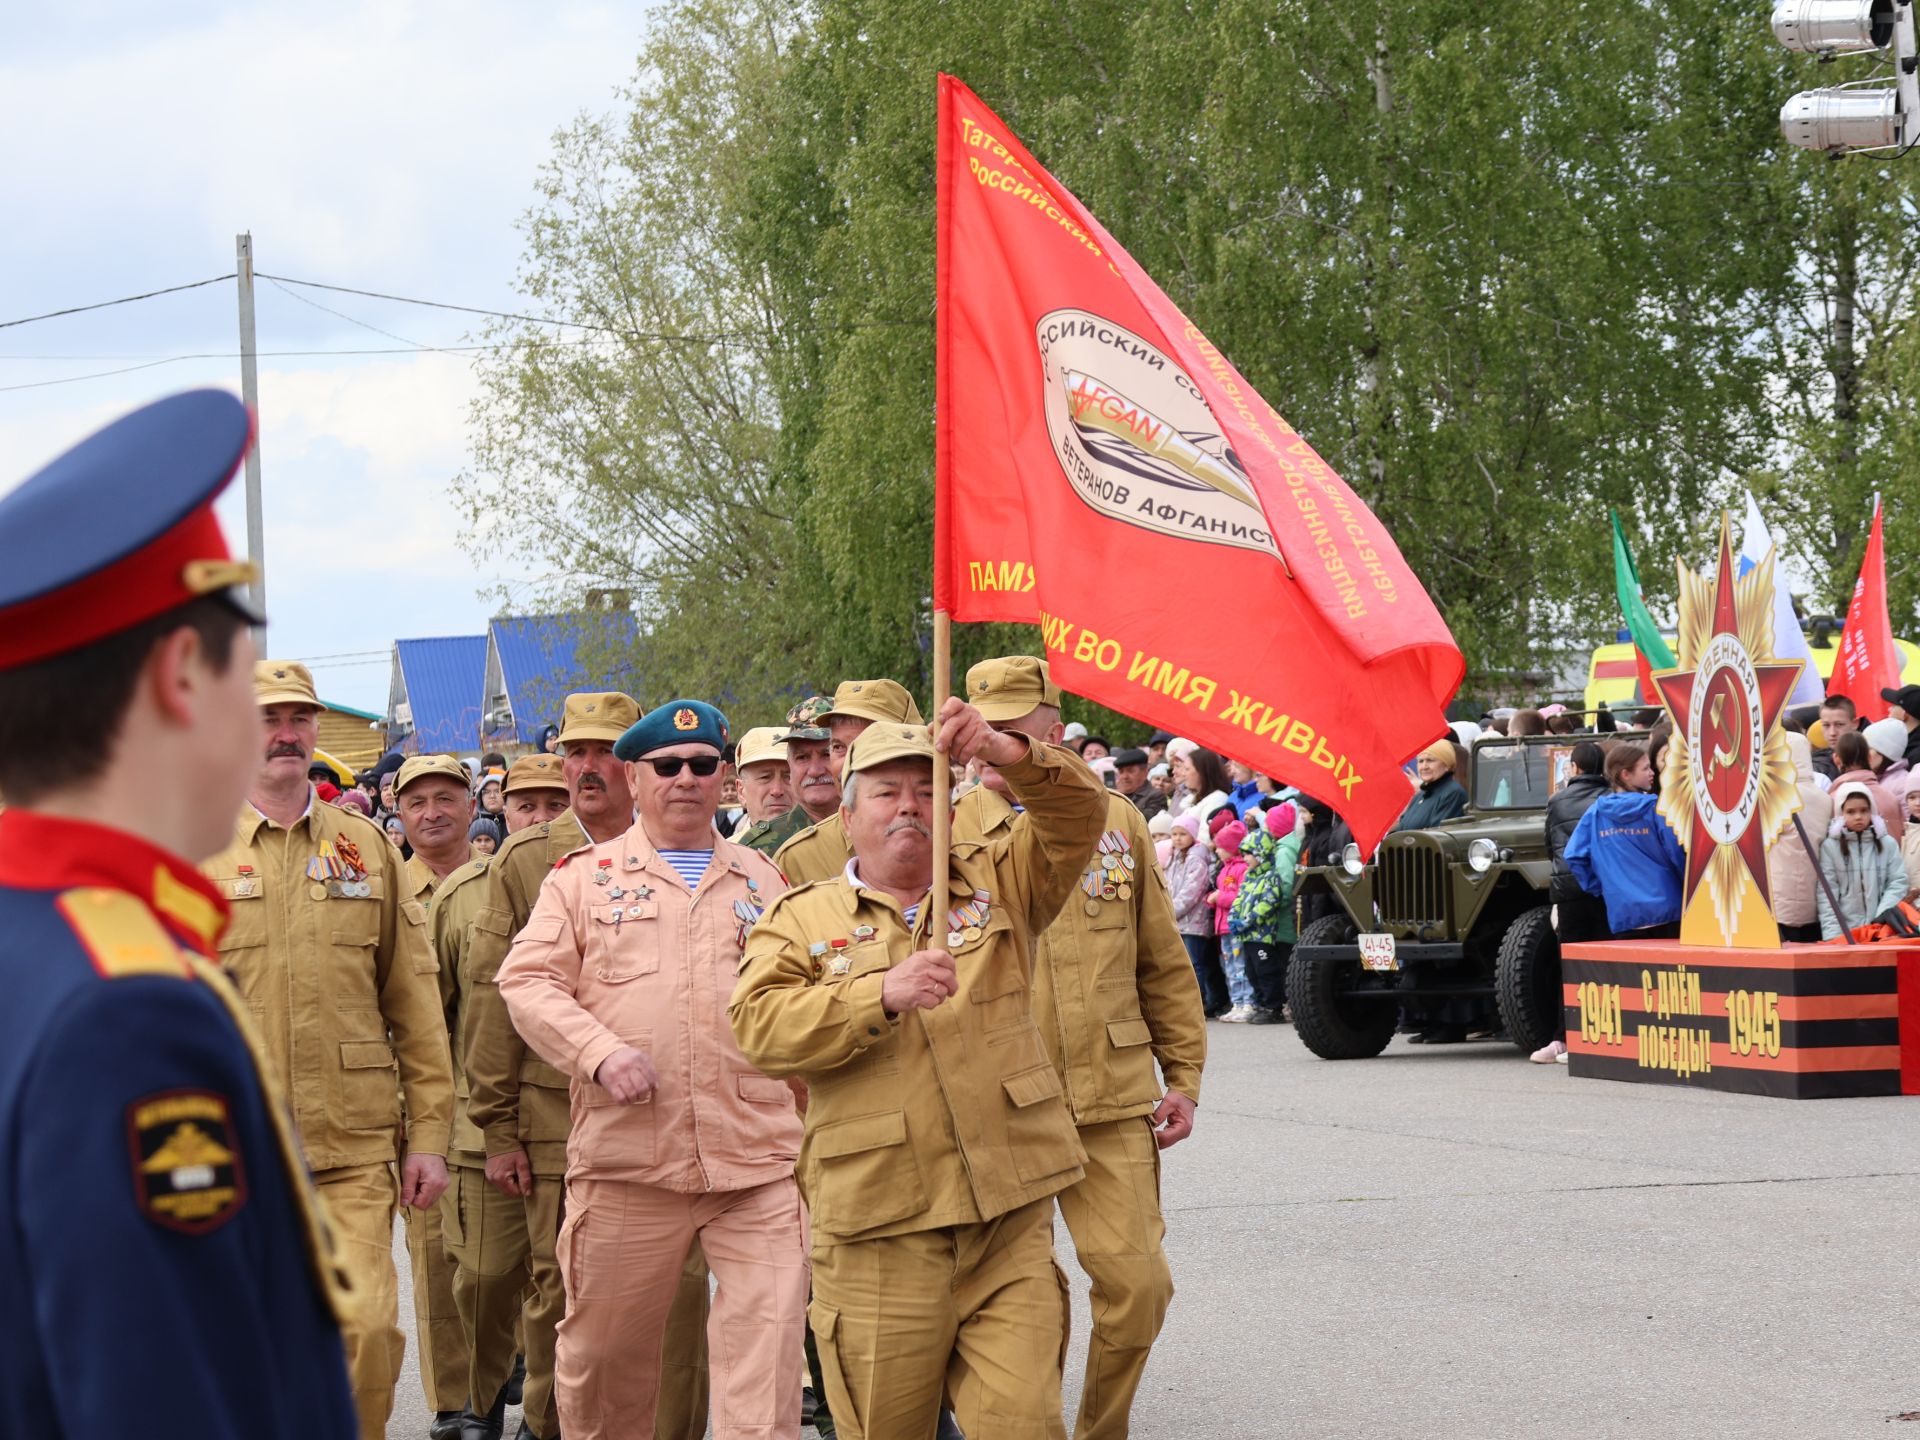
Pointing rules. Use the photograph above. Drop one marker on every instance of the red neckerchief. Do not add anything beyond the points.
(44, 852)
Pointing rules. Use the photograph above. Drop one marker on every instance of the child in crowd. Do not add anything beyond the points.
(1262, 914)
(484, 836)
(1226, 889)
(1190, 882)
(1861, 862)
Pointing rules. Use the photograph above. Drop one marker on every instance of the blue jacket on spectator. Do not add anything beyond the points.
(1243, 797)
(1623, 852)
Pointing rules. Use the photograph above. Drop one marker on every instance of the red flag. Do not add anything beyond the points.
(1103, 471)
(1868, 659)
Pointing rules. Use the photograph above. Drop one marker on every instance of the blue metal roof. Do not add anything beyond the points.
(442, 679)
(545, 658)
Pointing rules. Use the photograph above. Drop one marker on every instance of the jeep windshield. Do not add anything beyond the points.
(1513, 775)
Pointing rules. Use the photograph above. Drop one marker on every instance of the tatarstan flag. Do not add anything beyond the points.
(1104, 472)
(1650, 649)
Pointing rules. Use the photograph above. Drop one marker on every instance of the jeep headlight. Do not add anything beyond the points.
(1480, 856)
(1350, 860)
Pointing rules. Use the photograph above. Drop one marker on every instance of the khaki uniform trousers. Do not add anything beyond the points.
(508, 1280)
(437, 1328)
(977, 1312)
(360, 1201)
(1113, 1214)
(621, 1252)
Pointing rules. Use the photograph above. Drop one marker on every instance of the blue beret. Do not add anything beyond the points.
(678, 722)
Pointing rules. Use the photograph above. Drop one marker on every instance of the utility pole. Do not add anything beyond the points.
(250, 393)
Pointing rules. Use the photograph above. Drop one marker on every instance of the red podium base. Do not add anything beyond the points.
(1805, 1022)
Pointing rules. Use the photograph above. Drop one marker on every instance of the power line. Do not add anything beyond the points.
(108, 304)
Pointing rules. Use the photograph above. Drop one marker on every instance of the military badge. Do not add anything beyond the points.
(685, 719)
(187, 1170)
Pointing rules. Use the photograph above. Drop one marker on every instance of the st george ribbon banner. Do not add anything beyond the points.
(1098, 460)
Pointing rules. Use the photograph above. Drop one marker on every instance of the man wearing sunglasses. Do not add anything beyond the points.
(621, 980)
(519, 1102)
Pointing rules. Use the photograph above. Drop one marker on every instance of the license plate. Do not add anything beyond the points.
(1377, 953)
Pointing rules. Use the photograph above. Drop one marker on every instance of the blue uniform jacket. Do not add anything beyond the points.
(159, 1274)
(1623, 852)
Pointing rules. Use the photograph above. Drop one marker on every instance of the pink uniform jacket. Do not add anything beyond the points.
(617, 952)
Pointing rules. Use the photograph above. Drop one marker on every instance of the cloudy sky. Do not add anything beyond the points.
(388, 146)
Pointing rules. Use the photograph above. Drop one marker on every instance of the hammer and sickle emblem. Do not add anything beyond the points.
(1723, 756)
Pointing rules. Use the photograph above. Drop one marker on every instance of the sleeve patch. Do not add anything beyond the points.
(187, 1170)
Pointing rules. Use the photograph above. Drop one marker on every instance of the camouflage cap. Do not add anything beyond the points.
(875, 700)
(807, 720)
(419, 767)
(535, 772)
(1010, 687)
(284, 682)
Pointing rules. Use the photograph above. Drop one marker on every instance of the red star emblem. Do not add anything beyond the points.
(1733, 712)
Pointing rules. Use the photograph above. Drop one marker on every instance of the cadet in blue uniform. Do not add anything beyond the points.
(164, 1268)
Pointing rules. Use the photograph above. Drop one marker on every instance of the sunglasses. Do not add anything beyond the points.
(669, 766)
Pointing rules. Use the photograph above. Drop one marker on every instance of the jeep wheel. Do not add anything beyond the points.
(1331, 1023)
(1527, 980)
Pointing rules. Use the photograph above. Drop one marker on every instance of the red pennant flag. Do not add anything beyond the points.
(1868, 659)
(1103, 471)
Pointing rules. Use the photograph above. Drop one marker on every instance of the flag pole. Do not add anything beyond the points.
(937, 927)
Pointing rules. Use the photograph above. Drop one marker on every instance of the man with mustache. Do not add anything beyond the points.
(485, 1228)
(822, 852)
(934, 1141)
(620, 978)
(331, 955)
(1113, 991)
(435, 808)
(519, 1102)
(164, 1269)
(813, 777)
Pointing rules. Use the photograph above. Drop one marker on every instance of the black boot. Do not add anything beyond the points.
(446, 1425)
(489, 1425)
(517, 1379)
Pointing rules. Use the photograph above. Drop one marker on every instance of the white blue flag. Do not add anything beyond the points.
(1789, 640)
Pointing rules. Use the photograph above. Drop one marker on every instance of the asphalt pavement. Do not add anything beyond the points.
(1453, 1242)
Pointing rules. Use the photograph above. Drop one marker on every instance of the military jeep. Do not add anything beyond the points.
(1441, 922)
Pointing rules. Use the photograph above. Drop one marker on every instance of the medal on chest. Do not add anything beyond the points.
(967, 922)
(1110, 875)
(749, 911)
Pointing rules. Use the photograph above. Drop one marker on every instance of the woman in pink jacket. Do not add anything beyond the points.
(1233, 870)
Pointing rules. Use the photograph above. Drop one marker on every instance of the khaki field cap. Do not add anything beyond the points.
(284, 682)
(598, 716)
(882, 742)
(874, 700)
(535, 772)
(1012, 686)
(418, 767)
(759, 745)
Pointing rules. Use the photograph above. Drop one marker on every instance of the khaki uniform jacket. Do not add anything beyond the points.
(818, 853)
(450, 922)
(1113, 989)
(594, 972)
(514, 1098)
(341, 990)
(939, 1117)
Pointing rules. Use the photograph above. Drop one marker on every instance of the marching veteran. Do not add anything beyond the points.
(485, 1227)
(518, 1102)
(822, 852)
(1113, 992)
(813, 777)
(333, 961)
(164, 1270)
(937, 1133)
(621, 980)
(435, 808)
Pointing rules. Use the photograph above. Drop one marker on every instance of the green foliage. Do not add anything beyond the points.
(1505, 266)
